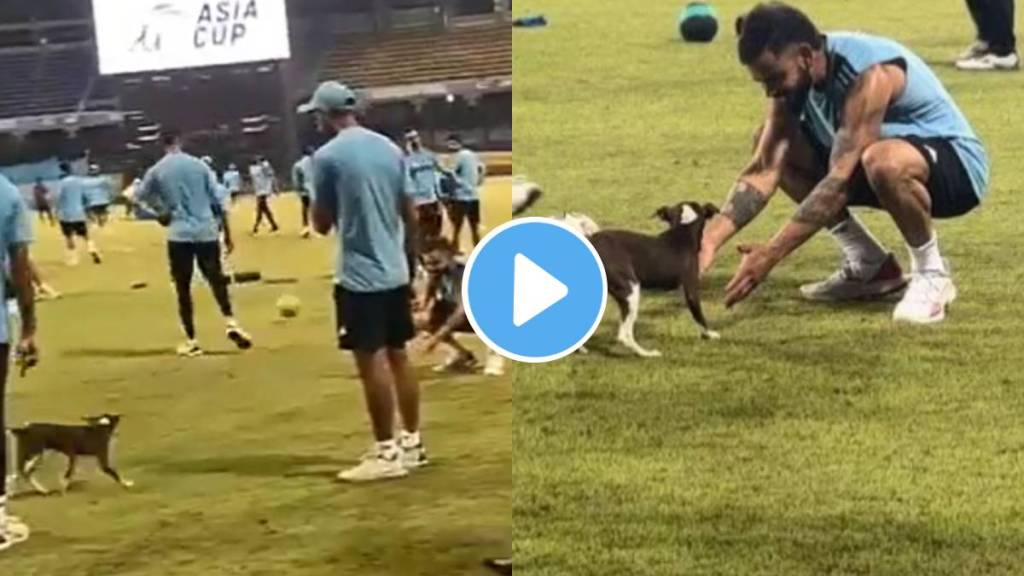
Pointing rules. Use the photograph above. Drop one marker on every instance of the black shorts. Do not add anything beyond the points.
(465, 209)
(184, 256)
(70, 229)
(370, 321)
(949, 185)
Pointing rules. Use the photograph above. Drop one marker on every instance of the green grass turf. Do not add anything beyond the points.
(812, 439)
(234, 454)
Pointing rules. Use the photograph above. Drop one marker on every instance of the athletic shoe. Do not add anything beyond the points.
(977, 48)
(47, 292)
(848, 283)
(926, 299)
(240, 337)
(501, 566)
(989, 61)
(457, 363)
(376, 466)
(413, 455)
(306, 232)
(96, 258)
(190, 349)
(13, 531)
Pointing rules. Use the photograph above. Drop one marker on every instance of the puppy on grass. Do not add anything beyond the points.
(439, 312)
(94, 438)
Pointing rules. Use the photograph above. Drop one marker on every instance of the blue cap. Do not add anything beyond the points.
(330, 96)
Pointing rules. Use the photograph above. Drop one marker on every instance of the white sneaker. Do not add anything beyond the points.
(376, 466)
(413, 455)
(851, 284)
(989, 61)
(12, 532)
(240, 337)
(190, 349)
(977, 48)
(926, 299)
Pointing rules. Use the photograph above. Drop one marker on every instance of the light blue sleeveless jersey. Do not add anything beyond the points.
(924, 109)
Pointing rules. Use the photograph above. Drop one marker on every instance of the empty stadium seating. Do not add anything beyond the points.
(45, 81)
(421, 57)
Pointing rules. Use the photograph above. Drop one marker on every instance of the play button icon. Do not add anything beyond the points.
(534, 290)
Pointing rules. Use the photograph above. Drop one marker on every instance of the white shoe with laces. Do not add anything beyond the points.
(376, 465)
(977, 48)
(856, 283)
(926, 299)
(989, 62)
(190, 349)
(414, 454)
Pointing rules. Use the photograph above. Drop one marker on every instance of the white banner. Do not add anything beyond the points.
(149, 35)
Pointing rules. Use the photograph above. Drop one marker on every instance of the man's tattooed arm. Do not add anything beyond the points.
(743, 204)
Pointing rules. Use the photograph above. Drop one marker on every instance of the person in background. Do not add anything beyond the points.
(41, 197)
(302, 179)
(469, 174)
(995, 46)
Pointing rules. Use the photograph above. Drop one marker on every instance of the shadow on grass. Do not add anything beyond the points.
(260, 465)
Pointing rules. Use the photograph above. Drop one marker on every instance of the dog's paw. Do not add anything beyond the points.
(649, 353)
(710, 335)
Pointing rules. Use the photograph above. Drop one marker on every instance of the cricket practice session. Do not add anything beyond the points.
(234, 236)
(802, 218)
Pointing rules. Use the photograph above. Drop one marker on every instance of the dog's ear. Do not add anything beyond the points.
(664, 213)
(710, 210)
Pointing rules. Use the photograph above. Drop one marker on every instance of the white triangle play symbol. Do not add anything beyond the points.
(534, 290)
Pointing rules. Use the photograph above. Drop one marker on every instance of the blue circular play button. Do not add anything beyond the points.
(534, 290)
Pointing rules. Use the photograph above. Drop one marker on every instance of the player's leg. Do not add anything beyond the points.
(12, 530)
(82, 230)
(208, 258)
(401, 330)
(473, 215)
(868, 270)
(67, 229)
(457, 213)
(914, 180)
(306, 205)
(260, 203)
(181, 256)
(366, 318)
(270, 215)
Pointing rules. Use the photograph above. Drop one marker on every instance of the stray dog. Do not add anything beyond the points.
(91, 439)
(440, 312)
(668, 261)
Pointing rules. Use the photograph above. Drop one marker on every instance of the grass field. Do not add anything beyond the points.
(234, 454)
(812, 439)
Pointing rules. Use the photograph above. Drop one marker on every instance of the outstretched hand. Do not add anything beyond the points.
(758, 261)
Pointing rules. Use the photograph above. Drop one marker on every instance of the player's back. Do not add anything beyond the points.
(363, 173)
(185, 186)
(924, 108)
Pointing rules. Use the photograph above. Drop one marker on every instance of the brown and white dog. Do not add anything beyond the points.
(668, 261)
(94, 439)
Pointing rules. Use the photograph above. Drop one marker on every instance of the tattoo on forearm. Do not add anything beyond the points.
(744, 204)
(823, 204)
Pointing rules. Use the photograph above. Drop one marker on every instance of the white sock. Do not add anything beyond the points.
(3, 508)
(926, 258)
(410, 439)
(387, 447)
(859, 246)
(92, 247)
